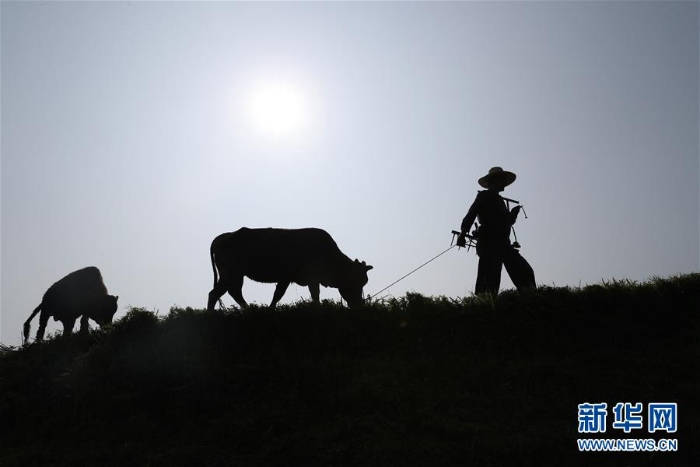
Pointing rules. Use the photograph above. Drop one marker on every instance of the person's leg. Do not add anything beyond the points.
(488, 279)
(519, 270)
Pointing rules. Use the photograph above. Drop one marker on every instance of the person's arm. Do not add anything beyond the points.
(514, 214)
(469, 219)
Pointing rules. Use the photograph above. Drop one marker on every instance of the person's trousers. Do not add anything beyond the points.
(488, 277)
(491, 261)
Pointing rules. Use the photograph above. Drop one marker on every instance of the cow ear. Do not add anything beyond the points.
(368, 267)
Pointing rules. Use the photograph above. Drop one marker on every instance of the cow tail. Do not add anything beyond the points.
(27, 325)
(213, 264)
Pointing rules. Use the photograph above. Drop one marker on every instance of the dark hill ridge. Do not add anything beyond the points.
(411, 381)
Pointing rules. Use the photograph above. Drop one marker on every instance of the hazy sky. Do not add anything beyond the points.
(134, 133)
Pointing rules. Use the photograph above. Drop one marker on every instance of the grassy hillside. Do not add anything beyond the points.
(414, 381)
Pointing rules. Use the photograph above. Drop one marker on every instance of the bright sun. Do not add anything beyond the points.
(278, 109)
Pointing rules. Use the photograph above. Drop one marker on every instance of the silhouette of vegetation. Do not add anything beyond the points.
(409, 381)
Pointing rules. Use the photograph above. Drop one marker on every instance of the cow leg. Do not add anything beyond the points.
(236, 291)
(314, 289)
(279, 292)
(215, 294)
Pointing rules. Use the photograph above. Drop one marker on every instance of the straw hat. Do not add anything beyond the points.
(497, 174)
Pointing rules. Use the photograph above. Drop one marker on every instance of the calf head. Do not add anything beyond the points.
(354, 280)
(106, 309)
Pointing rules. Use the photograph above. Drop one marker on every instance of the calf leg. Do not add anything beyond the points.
(314, 290)
(68, 326)
(279, 292)
(43, 319)
(84, 325)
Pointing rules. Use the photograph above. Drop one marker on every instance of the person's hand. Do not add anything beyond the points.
(514, 214)
(462, 240)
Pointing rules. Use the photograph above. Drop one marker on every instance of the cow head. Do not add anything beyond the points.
(106, 310)
(354, 280)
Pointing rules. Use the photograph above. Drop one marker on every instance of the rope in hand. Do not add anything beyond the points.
(370, 297)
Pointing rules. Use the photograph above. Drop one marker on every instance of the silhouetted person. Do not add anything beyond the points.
(493, 236)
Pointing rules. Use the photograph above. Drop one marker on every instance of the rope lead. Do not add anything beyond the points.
(370, 297)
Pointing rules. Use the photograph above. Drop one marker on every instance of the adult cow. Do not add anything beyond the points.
(308, 257)
(80, 293)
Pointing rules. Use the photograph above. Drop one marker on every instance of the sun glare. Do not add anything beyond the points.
(278, 109)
